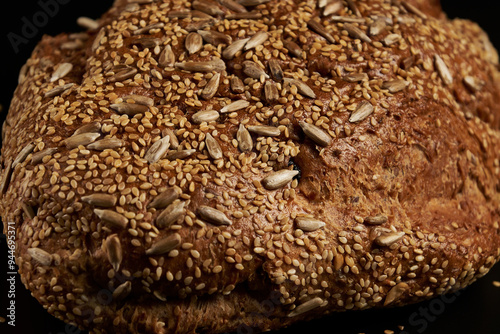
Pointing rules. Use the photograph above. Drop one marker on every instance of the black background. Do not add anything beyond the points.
(474, 310)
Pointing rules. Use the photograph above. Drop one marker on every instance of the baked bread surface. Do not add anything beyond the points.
(207, 166)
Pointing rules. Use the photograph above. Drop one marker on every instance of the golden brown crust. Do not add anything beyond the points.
(137, 223)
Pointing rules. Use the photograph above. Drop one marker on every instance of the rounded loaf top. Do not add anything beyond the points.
(191, 160)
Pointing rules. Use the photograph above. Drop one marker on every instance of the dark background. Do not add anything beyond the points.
(475, 310)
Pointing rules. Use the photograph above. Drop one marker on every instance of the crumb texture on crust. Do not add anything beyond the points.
(199, 166)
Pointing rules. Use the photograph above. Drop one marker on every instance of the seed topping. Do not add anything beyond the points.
(213, 216)
(113, 218)
(306, 307)
(309, 224)
(276, 180)
(316, 134)
(102, 200)
(363, 110)
(40, 256)
(165, 198)
(164, 245)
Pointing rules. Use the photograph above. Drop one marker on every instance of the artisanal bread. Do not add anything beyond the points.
(206, 166)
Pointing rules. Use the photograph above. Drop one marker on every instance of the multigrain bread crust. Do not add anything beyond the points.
(206, 166)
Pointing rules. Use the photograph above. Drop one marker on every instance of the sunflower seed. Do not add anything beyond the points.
(179, 14)
(244, 16)
(81, 139)
(207, 7)
(387, 239)
(205, 116)
(316, 134)
(167, 57)
(233, 49)
(275, 69)
(333, 7)
(113, 249)
(170, 215)
(140, 99)
(251, 3)
(363, 110)
(123, 74)
(98, 39)
(306, 307)
(200, 24)
(396, 292)
(320, 30)
(147, 42)
(131, 8)
(174, 142)
(213, 147)
(357, 33)
(395, 85)
(245, 142)
(346, 19)
(292, 47)
(102, 200)
(414, 10)
(6, 175)
(408, 62)
(271, 92)
(265, 130)
(279, 179)
(165, 198)
(62, 70)
(129, 109)
(302, 87)
(443, 70)
(148, 28)
(201, 15)
(87, 23)
(182, 154)
(107, 143)
(193, 42)
(164, 245)
(355, 77)
(376, 220)
(113, 218)
(322, 3)
(236, 85)
(214, 37)
(40, 256)
(28, 210)
(233, 5)
(213, 216)
(353, 7)
(216, 64)
(23, 154)
(235, 106)
(377, 26)
(211, 88)
(474, 84)
(253, 70)
(391, 39)
(157, 150)
(37, 157)
(89, 127)
(58, 90)
(122, 291)
(258, 39)
(309, 224)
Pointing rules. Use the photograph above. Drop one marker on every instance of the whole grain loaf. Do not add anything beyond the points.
(208, 166)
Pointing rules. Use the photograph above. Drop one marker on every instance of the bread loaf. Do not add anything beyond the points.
(209, 166)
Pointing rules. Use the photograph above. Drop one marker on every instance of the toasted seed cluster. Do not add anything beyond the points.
(334, 154)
